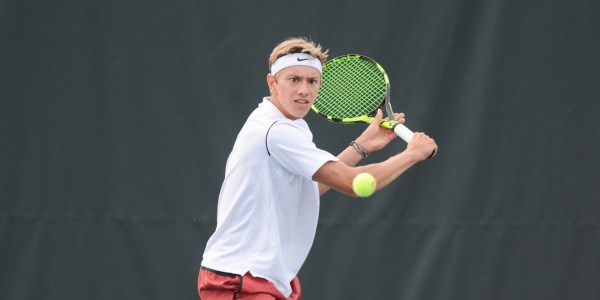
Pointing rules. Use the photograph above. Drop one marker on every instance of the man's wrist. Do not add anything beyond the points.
(412, 155)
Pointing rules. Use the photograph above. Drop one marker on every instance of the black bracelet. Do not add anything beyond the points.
(359, 149)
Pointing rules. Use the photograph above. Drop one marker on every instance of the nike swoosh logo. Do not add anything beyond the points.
(302, 59)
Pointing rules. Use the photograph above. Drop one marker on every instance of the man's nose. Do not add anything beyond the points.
(303, 89)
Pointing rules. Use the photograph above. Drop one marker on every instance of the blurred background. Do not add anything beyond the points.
(116, 119)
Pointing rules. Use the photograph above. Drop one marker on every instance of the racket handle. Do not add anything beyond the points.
(406, 134)
(403, 132)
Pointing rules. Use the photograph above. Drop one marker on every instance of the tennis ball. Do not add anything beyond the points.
(364, 184)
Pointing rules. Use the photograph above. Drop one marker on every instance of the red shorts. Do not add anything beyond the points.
(215, 285)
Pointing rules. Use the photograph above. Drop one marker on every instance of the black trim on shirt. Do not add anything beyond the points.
(267, 136)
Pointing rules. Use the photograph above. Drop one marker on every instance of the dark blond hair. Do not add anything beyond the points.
(297, 45)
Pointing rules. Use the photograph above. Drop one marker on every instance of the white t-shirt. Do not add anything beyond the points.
(268, 205)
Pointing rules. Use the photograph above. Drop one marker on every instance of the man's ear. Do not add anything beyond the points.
(271, 82)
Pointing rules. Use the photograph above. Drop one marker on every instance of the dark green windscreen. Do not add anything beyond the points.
(117, 117)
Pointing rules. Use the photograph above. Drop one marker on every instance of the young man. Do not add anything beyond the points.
(269, 201)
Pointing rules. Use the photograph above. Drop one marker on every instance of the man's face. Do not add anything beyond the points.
(294, 89)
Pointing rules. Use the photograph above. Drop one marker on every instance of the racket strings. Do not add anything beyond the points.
(351, 87)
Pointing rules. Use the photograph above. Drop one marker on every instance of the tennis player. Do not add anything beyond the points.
(269, 201)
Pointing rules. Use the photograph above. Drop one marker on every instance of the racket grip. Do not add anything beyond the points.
(403, 132)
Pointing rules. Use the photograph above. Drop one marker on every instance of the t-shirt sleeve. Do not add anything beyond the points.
(293, 148)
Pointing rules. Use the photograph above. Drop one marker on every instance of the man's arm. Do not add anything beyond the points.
(339, 174)
(348, 157)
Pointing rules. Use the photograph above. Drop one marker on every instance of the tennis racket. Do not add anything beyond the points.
(354, 88)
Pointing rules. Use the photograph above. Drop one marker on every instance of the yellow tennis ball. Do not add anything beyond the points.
(364, 184)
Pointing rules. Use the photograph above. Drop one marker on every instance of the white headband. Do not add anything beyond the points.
(296, 59)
